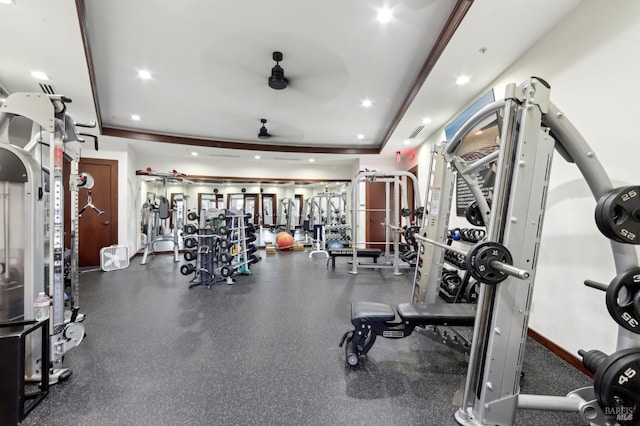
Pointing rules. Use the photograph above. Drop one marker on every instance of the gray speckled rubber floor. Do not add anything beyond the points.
(263, 351)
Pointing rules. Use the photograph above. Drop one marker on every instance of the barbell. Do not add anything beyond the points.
(488, 262)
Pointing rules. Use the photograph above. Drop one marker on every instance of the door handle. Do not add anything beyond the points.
(105, 222)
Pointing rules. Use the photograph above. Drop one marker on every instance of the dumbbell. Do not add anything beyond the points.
(187, 269)
(189, 255)
(225, 257)
(617, 380)
(190, 229)
(192, 216)
(254, 259)
(226, 271)
(190, 242)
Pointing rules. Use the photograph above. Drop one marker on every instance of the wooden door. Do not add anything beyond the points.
(375, 215)
(96, 231)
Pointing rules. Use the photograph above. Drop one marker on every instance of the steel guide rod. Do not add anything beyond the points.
(523, 274)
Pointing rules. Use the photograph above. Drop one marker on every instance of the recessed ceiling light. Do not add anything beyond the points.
(195, 154)
(39, 75)
(360, 136)
(407, 142)
(144, 74)
(257, 157)
(311, 160)
(366, 103)
(384, 15)
(426, 120)
(136, 117)
(463, 79)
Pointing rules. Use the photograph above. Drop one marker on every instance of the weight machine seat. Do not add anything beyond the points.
(460, 314)
(364, 312)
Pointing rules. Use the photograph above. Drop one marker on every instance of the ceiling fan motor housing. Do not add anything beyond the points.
(277, 80)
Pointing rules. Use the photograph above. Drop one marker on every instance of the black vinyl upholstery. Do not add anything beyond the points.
(461, 314)
(370, 312)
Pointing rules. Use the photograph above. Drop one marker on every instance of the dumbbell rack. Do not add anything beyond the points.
(453, 287)
(223, 243)
(340, 233)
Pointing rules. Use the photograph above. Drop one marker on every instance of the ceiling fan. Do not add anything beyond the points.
(277, 80)
(263, 133)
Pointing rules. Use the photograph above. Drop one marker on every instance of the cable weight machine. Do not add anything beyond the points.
(33, 232)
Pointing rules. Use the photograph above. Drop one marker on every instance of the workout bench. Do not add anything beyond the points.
(364, 252)
(372, 319)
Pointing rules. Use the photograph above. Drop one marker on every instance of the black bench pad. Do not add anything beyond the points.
(461, 314)
(370, 312)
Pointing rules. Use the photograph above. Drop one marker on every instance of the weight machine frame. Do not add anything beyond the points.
(149, 247)
(392, 180)
(45, 239)
(532, 127)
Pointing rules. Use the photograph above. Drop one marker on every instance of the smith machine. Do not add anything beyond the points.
(396, 216)
(32, 210)
(505, 264)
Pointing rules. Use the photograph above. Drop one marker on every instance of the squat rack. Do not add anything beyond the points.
(393, 181)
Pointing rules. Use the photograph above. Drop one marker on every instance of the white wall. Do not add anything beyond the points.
(590, 60)
(127, 187)
(232, 167)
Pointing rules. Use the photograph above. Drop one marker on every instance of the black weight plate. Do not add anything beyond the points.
(479, 259)
(225, 257)
(473, 215)
(470, 292)
(598, 214)
(251, 237)
(189, 255)
(613, 384)
(192, 216)
(409, 233)
(221, 216)
(619, 215)
(224, 243)
(605, 218)
(251, 249)
(223, 230)
(625, 314)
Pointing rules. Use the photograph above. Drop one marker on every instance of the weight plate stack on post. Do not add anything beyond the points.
(617, 215)
(626, 313)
